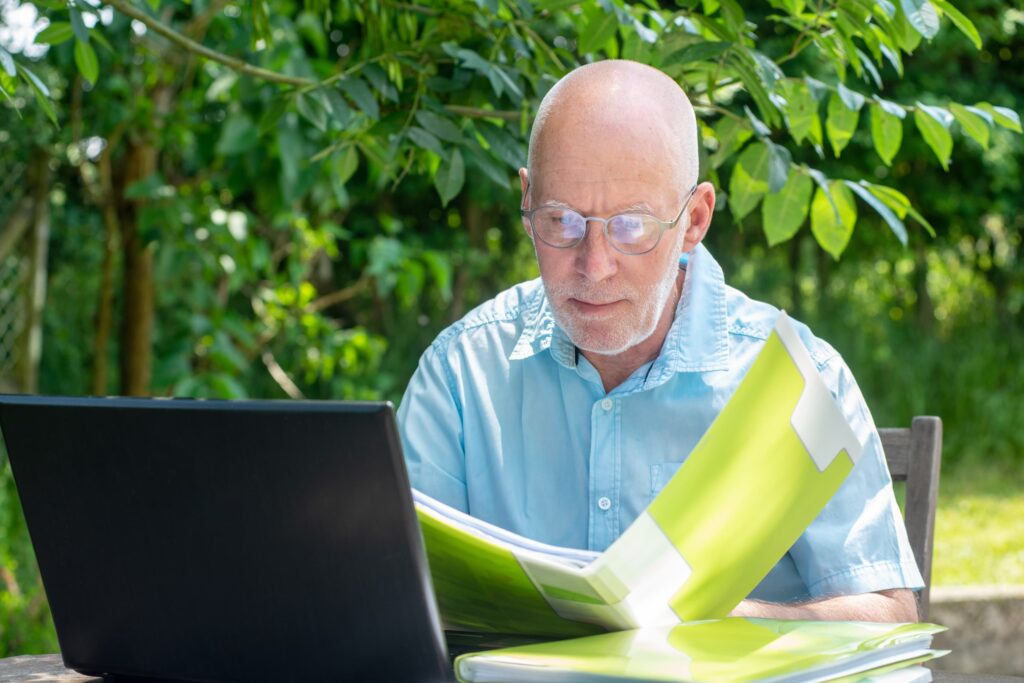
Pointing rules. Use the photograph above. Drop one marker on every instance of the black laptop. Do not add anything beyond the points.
(226, 540)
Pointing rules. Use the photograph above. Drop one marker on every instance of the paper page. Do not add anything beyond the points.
(481, 586)
(723, 651)
(766, 467)
(768, 464)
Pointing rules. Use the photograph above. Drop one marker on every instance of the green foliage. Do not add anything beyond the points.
(341, 185)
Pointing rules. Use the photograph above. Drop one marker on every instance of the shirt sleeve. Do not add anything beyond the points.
(430, 425)
(858, 543)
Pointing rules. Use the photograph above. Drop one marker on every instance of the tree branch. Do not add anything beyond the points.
(336, 297)
(478, 113)
(239, 65)
(281, 377)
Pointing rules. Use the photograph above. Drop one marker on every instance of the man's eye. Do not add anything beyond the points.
(628, 228)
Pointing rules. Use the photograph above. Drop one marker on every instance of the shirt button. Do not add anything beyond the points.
(604, 502)
(607, 405)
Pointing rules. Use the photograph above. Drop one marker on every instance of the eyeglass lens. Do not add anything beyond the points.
(563, 227)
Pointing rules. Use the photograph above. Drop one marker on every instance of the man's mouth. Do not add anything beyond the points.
(593, 307)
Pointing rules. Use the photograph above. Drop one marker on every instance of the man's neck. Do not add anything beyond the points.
(614, 370)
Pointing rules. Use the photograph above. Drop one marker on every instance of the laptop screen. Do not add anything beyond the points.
(226, 540)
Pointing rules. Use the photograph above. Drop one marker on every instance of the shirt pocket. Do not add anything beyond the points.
(661, 474)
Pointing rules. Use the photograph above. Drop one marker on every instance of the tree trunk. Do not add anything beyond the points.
(38, 177)
(139, 162)
(925, 306)
(105, 305)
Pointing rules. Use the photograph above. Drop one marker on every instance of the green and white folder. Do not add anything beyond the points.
(731, 650)
(766, 467)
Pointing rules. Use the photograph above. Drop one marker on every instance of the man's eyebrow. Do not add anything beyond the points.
(642, 207)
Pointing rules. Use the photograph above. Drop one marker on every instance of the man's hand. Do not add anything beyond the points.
(897, 604)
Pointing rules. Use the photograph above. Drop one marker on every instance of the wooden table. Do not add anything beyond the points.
(49, 669)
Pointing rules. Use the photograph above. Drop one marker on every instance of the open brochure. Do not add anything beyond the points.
(730, 650)
(768, 464)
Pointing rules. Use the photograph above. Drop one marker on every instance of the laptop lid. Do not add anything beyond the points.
(226, 540)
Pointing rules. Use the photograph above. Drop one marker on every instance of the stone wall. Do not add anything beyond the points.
(986, 629)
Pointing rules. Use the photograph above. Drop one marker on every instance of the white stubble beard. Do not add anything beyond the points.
(625, 334)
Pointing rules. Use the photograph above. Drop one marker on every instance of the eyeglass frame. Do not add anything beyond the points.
(665, 225)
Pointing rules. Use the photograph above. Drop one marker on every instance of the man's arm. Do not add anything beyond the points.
(896, 605)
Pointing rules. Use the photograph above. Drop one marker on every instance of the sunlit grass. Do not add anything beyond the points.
(979, 527)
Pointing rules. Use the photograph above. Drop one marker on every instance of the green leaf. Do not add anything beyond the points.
(310, 28)
(345, 164)
(439, 126)
(922, 16)
(698, 52)
(851, 98)
(898, 202)
(802, 112)
(831, 231)
(40, 91)
(783, 212)
(749, 180)
(359, 92)
(221, 86)
(238, 135)
(823, 184)
(1007, 118)
(77, 25)
(598, 31)
(959, 20)
(339, 111)
(731, 135)
(840, 124)
(759, 126)
(425, 140)
(7, 62)
(973, 125)
(907, 36)
(272, 114)
(891, 108)
(934, 130)
(502, 144)
(56, 33)
(450, 176)
(490, 168)
(779, 160)
(312, 109)
(869, 66)
(894, 223)
(379, 80)
(817, 89)
(887, 132)
(769, 71)
(226, 386)
(85, 60)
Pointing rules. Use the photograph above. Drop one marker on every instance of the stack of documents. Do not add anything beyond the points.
(776, 454)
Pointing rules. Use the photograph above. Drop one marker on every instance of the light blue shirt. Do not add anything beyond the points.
(504, 420)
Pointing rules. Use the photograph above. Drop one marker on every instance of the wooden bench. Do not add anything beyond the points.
(914, 456)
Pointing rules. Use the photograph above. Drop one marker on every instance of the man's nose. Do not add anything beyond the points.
(596, 259)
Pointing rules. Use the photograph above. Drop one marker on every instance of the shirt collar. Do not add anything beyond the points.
(697, 341)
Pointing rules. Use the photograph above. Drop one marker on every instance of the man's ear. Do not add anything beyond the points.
(524, 182)
(700, 211)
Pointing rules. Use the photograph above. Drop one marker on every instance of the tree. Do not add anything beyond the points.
(276, 198)
(312, 95)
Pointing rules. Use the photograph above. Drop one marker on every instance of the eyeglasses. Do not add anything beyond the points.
(629, 233)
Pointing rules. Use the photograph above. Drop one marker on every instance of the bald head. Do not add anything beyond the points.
(617, 103)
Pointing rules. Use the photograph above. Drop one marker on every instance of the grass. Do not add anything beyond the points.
(979, 526)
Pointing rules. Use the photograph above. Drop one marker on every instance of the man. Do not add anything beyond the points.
(561, 407)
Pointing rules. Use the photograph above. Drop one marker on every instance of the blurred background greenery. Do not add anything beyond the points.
(301, 212)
